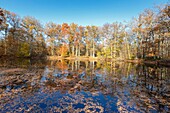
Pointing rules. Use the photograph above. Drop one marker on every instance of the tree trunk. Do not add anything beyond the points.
(93, 49)
(5, 42)
(111, 50)
(93, 67)
(73, 50)
(91, 52)
(76, 50)
(76, 65)
(30, 50)
(87, 53)
(128, 48)
(62, 51)
(69, 50)
(72, 66)
(79, 50)
(115, 48)
(52, 49)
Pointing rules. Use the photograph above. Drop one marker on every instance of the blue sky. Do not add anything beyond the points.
(83, 12)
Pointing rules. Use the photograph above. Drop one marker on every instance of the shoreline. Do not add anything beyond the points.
(162, 62)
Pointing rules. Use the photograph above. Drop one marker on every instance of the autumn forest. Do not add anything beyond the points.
(84, 56)
(145, 37)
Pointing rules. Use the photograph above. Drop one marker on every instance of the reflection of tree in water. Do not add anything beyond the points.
(153, 88)
(90, 86)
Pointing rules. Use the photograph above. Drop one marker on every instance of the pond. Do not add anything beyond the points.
(70, 86)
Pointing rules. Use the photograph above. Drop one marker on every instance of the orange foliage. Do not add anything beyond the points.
(65, 28)
(62, 65)
(63, 49)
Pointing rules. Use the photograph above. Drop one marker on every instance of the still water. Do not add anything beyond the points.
(69, 86)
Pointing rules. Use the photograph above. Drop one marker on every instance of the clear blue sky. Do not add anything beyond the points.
(83, 12)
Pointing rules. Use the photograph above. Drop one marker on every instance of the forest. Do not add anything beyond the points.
(146, 36)
(116, 67)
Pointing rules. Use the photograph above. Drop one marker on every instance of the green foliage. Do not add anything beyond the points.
(24, 50)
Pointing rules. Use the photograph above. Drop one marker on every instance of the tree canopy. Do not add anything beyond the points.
(147, 36)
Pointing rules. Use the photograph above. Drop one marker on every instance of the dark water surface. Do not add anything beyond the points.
(83, 87)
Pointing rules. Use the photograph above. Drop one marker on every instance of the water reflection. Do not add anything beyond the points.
(83, 86)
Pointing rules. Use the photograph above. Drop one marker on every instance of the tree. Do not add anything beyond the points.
(1, 16)
(52, 35)
(116, 39)
(106, 34)
(145, 37)
(72, 38)
(162, 29)
(94, 34)
(65, 34)
(13, 38)
(80, 36)
(33, 29)
(87, 39)
(4, 29)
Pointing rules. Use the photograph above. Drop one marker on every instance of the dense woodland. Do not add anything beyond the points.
(144, 37)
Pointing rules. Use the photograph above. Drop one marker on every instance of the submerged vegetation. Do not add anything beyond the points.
(145, 37)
